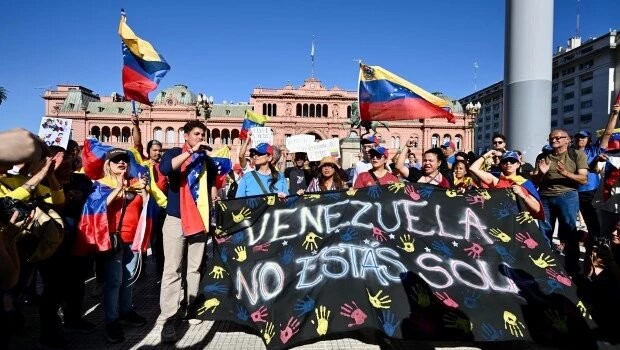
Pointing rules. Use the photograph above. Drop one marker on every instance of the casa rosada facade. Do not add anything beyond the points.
(310, 109)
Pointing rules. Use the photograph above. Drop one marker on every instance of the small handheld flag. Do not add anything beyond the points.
(251, 120)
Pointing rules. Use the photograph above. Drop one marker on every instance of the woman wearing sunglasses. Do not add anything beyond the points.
(509, 164)
(265, 178)
(378, 174)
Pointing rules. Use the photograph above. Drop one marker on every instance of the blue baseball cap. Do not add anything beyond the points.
(262, 148)
(382, 151)
(370, 140)
(583, 133)
(510, 155)
(449, 144)
(547, 148)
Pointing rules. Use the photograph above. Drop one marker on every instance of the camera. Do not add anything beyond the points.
(205, 148)
(9, 205)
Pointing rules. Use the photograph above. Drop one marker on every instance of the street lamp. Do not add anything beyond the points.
(204, 104)
(472, 110)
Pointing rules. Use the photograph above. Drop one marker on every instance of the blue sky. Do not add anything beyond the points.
(226, 48)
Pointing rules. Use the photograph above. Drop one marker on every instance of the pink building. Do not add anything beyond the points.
(310, 109)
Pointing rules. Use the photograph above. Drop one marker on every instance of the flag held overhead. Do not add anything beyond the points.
(384, 95)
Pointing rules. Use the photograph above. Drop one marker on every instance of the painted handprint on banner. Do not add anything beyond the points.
(208, 304)
(217, 272)
(309, 242)
(419, 295)
(475, 199)
(268, 332)
(491, 333)
(348, 234)
(442, 248)
(452, 320)
(312, 197)
(271, 200)
(554, 286)
(525, 238)
(237, 238)
(242, 313)
(374, 192)
(584, 310)
(353, 312)
(560, 277)
(388, 322)
(290, 202)
(242, 254)
(451, 193)
(243, 214)
(408, 243)
(334, 196)
(378, 234)
(499, 234)
(557, 321)
(446, 299)
(262, 247)
(505, 210)
(224, 254)
(259, 315)
(222, 205)
(474, 251)
(351, 191)
(291, 328)
(505, 254)
(525, 217)
(303, 306)
(470, 299)
(378, 301)
(543, 261)
(426, 191)
(322, 319)
(412, 192)
(215, 288)
(395, 187)
(287, 256)
(513, 325)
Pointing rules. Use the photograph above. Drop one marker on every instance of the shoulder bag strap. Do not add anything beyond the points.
(374, 177)
(260, 183)
(123, 210)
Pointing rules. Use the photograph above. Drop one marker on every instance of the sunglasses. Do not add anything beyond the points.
(119, 159)
(378, 156)
(557, 138)
(509, 161)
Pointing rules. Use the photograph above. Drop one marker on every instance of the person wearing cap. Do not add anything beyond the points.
(364, 164)
(449, 148)
(510, 178)
(120, 198)
(191, 176)
(558, 175)
(299, 175)
(329, 177)
(265, 178)
(379, 174)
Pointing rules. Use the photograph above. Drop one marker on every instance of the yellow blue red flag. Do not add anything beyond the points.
(251, 119)
(384, 95)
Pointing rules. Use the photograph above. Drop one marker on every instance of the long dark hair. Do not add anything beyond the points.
(337, 180)
(275, 176)
(443, 165)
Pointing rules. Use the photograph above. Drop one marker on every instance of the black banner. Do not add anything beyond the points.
(406, 261)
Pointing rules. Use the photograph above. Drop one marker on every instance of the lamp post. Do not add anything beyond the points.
(473, 110)
(204, 104)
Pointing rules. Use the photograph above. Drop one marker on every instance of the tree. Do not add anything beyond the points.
(2, 94)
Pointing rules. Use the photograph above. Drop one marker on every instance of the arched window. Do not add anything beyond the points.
(170, 133)
(353, 134)
(105, 134)
(393, 141)
(298, 110)
(116, 134)
(215, 134)
(435, 140)
(269, 109)
(182, 139)
(158, 134)
(324, 110)
(125, 134)
(312, 110)
(416, 142)
(446, 138)
(318, 110)
(274, 109)
(264, 109)
(234, 135)
(225, 136)
(305, 113)
(96, 132)
(348, 111)
(397, 142)
(458, 142)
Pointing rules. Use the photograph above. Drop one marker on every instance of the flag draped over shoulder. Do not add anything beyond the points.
(194, 194)
(251, 120)
(386, 96)
(143, 66)
(221, 158)
(156, 194)
(93, 158)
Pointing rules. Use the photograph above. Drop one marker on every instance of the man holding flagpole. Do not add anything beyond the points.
(191, 176)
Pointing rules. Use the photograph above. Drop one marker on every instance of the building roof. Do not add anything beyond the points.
(110, 108)
(77, 101)
(236, 110)
(179, 92)
(455, 107)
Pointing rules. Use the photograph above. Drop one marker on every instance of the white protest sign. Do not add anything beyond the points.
(55, 131)
(261, 135)
(325, 148)
(299, 143)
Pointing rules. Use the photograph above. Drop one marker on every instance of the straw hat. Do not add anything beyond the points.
(328, 160)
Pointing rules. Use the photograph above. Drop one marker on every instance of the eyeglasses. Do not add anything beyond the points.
(498, 142)
(120, 159)
(557, 138)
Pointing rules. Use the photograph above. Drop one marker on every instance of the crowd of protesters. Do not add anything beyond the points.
(59, 227)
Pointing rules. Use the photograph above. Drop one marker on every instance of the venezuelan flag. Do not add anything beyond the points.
(386, 96)
(156, 194)
(251, 120)
(143, 66)
(194, 194)
(221, 158)
(93, 158)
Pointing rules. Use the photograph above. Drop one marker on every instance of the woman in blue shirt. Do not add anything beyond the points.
(265, 178)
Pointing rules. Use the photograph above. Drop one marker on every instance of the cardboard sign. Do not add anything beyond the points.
(261, 135)
(299, 143)
(325, 148)
(55, 131)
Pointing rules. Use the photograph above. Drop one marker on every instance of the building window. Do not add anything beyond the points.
(554, 87)
(158, 134)
(569, 121)
(487, 136)
(305, 112)
(458, 140)
(554, 111)
(234, 135)
(479, 120)
(312, 110)
(298, 110)
(568, 82)
(318, 110)
(569, 108)
(274, 110)
(435, 141)
(446, 138)
(264, 109)
(568, 71)
(227, 112)
(225, 136)
(495, 126)
(348, 111)
(125, 134)
(585, 118)
(496, 116)
(586, 104)
(496, 108)
(170, 133)
(569, 95)
(487, 127)
(554, 123)
(586, 65)
(96, 132)
(586, 77)
(182, 139)
(554, 99)
(586, 91)
(324, 110)
(587, 49)
(116, 134)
